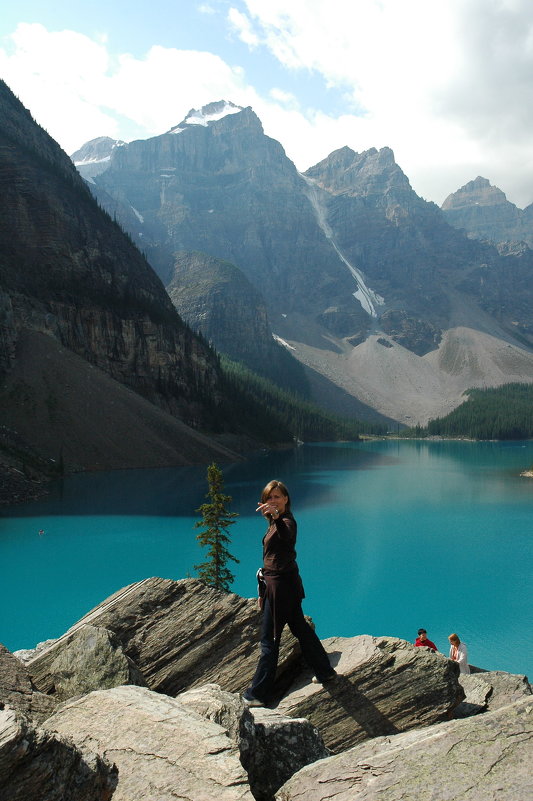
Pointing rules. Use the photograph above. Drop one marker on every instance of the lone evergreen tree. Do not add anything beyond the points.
(215, 520)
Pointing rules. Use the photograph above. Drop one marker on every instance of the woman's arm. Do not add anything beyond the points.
(285, 527)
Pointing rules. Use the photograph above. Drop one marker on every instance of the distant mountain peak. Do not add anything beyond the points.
(96, 150)
(212, 112)
(479, 192)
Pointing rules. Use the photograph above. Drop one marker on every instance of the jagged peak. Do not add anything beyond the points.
(474, 192)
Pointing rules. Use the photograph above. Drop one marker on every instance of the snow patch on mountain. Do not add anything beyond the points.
(207, 114)
(283, 342)
(368, 299)
(93, 160)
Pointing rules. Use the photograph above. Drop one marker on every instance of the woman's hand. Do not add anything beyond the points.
(267, 509)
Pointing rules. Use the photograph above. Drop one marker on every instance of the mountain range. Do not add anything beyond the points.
(382, 296)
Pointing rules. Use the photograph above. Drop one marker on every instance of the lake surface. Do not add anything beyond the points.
(392, 536)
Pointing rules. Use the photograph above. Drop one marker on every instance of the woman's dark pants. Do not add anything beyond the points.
(312, 650)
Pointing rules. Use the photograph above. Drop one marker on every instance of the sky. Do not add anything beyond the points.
(447, 84)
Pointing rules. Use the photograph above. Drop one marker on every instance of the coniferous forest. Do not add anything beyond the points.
(504, 412)
(281, 415)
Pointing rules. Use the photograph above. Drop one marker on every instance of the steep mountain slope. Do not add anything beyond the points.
(484, 212)
(341, 254)
(217, 299)
(69, 273)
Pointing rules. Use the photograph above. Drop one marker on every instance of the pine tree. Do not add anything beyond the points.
(215, 520)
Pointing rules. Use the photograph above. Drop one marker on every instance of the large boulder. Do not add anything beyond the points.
(480, 758)
(219, 706)
(179, 634)
(91, 659)
(162, 749)
(35, 764)
(385, 686)
(17, 690)
(272, 747)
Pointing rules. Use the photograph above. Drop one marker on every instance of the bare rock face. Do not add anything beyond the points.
(485, 213)
(274, 747)
(219, 706)
(479, 759)
(162, 749)
(17, 690)
(385, 686)
(179, 634)
(490, 690)
(91, 659)
(35, 764)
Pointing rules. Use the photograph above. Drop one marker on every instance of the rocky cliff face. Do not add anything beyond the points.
(484, 212)
(217, 299)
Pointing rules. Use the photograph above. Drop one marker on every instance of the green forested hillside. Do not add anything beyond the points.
(504, 412)
(280, 415)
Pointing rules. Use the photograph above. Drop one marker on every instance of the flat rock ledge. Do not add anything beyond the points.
(385, 686)
(177, 634)
(484, 758)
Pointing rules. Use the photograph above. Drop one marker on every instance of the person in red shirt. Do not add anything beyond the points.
(422, 639)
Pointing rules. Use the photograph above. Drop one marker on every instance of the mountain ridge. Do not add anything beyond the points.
(345, 251)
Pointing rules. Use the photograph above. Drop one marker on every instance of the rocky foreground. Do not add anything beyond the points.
(141, 700)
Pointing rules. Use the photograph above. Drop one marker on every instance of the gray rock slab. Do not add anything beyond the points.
(490, 690)
(506, 688)
(38, 766)
(17, 690)
(179, 634)
(89, 659)
(272, 746)
(219, 706)
(482, 758)
(385, 686)
(162, 749)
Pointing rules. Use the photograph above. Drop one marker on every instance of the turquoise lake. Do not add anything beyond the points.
(392, 536)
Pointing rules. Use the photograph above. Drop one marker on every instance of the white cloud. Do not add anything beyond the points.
(447, 85)
(77, 90)
(242, 27)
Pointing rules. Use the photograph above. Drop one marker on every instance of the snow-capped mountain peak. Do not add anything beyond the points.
(207, 114)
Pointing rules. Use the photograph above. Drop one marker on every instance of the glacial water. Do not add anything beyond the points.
(391, 536)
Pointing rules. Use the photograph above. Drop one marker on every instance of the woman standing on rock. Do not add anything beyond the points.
(282, 595)
(459, 653)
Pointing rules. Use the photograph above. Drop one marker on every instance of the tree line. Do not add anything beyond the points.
(504, 412)
(258, 403)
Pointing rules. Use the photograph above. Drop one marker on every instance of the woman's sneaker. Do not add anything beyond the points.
(250, 701)
(327, 679)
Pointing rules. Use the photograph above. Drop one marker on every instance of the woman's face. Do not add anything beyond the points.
(278, 499)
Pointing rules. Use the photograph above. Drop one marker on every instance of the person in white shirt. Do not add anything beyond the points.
(459, 653)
